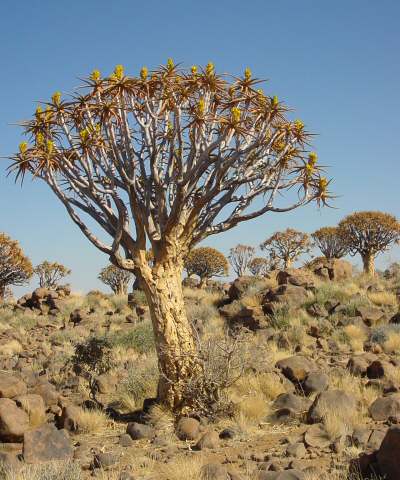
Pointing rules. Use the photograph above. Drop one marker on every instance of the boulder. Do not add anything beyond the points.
(331, 400)
(138, 431)
(14, 422)
(317, 437)
(293, 403)
(315, 382)
(11, 386)
(331, 269)
(106, 383)
(187, 428)
(239, 287)
(296, 368)
(48, 392)
(358, 364)
(370, 315)
(69, 418)
(208, 440)
(296, 277)
(384, 407)
(288, 294)
(77, 316)
(45, 444)
(104, 460)
(389, 454)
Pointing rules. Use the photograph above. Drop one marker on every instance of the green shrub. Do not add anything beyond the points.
(140, 338)
(141, 381)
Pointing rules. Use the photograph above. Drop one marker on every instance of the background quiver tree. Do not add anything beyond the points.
(164, 160)
(331, 242)
(240, 257)
(50, 274)
(116, 278)
(369, 233)
(260, 266)
(287, 246)
(15, 268)
(206, 262)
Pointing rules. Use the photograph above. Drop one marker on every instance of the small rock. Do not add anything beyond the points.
(187, 428)
(104, 460)
(138, 431)
(14, 422)
(125, 440)
(208, 440)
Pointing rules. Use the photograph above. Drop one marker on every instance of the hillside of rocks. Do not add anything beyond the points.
(305, 365)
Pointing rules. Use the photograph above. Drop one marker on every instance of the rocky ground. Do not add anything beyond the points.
(313, 389)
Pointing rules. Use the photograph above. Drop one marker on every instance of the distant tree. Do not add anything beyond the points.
(116, 278)
(50, 274)
(239, 257)
(369, 233)
(15, 267)
(166, 159)
(206, 262)
(287, 246)
(260, 266)
(331, 243)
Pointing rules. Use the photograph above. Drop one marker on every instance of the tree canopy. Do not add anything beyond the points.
(369, 233)
(15, 268)
(331, 242)
(206, 262)
(240, 257)
(50, 273)
(287, 245)
(116, 278)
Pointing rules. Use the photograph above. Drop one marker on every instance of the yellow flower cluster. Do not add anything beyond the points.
(194, 70)
(39, 138)
(23, 147)
(210, 69)
(56, 97)
(95, 75)
(119, 72)
(247, 74)
(235, 114)
(50, 146)
(143, 73)
(170, 64)
(299, 125)
(275, 101)
(201, 107)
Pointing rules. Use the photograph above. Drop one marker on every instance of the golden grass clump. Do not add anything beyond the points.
(383, 299)
(392, 343)
(355, 336)
(92, 421)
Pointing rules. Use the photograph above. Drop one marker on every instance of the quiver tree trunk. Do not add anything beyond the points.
(175, 342)
(2, 293)
(369, 263)
(288, 263)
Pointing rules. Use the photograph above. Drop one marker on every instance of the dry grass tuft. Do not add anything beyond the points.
(182, 468)
(355, 337)
(11, 348)
(92, 421)
(383, 299)
(392, 343)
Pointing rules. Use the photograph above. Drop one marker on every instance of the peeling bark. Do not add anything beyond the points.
(175, 342)
(369, 263)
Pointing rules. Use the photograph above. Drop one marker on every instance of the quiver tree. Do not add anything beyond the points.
(287, 246)
(260, 266)
(116, 278)
(50, 274)
(15, 267)
(164, 160)
(369, 233)
(240, 257)
(205, 262)
(331, 242)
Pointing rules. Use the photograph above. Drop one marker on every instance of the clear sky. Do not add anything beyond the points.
(336, 63)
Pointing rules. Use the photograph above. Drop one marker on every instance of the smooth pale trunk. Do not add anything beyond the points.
(175, 342)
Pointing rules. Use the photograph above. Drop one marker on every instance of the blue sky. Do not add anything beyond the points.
(336, 63)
